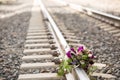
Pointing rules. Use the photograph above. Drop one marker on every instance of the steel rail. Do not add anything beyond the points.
(80, 73)
(115, 19)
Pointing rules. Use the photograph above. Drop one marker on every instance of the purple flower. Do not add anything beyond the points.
(74, 63)
(72, 49)
(91, 62)
(69, 54)
(91, 56)
(80, 49)
(90, 52)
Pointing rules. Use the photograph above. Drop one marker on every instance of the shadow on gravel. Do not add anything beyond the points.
(10, 3)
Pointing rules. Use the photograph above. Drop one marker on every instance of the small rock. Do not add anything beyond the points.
(109, 71)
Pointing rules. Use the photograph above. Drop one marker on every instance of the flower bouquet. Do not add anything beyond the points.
(79, 57)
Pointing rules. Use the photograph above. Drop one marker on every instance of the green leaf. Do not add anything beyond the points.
(83, 65)
(69, 60)
(85, 57)
(60, 72)
(92, 69)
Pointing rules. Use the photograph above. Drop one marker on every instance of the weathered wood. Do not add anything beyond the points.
(38, 57)
(41, 76)
(37, 65)
(37, 50)
(103, 75)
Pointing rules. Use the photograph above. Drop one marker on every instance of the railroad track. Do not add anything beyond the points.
(68, 33)
(108, 22)
(41, 47)
(39, 50)
(45, 42)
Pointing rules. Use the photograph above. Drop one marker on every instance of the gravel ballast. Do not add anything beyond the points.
(12, 36)
(105, 46)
